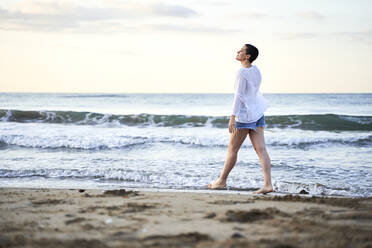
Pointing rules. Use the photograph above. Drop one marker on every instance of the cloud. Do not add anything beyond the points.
(248, 15)
(212, 3)
(99, 49)
(66, 15)
(300, 35)
(199, 29)
(171, 10)
(115, 27)
(363, 35)
(311, 15)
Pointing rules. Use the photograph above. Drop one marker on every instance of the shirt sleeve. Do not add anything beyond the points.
(238, 96)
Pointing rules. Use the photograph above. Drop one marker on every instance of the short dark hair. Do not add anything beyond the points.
(253, 51)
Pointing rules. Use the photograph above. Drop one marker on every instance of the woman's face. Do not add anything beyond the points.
(241, 56)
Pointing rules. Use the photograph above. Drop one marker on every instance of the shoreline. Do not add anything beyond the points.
(45, 217)
(201, 191)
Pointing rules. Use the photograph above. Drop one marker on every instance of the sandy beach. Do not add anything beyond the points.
(132, 218)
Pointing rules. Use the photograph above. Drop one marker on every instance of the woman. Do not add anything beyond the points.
(247, 118)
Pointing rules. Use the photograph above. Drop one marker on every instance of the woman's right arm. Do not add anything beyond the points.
(238, 97)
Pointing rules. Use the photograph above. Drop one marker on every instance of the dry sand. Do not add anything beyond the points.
(129, 218)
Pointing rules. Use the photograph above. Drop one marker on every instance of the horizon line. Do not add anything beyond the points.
(13, 92)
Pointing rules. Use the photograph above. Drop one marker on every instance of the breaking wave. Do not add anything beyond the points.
(316, 122)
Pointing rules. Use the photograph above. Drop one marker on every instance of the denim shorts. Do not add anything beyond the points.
(251, 125)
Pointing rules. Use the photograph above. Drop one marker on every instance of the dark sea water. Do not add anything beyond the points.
(320, 143)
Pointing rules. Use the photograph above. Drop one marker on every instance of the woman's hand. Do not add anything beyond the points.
(232, 124)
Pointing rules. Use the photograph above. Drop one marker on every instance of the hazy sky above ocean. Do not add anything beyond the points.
(118, 46)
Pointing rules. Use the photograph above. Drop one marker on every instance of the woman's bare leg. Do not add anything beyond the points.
(258, 142)
(236, 140)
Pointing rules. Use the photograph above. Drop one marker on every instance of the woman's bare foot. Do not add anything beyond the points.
(264, 190)
(218, 184)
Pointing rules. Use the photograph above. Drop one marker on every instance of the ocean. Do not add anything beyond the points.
(317, 143)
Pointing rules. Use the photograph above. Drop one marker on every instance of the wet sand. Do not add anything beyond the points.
(131, 218)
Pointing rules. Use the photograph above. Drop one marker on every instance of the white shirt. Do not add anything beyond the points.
(249, 104)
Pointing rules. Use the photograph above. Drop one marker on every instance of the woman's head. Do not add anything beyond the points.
(247, 52)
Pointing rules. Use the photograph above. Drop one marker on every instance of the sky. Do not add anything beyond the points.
(184, 46)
